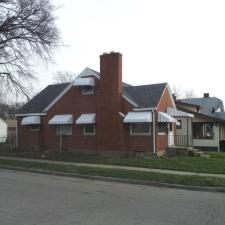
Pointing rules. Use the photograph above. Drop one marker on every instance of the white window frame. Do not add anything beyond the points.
(88, 134)
(162, 133)
(38, 129)
(58, 127)
(90, 92)
(140, 134)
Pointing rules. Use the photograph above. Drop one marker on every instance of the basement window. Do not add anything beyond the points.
(140, 129)
(87, 90)
(89, 129)
(64, 130)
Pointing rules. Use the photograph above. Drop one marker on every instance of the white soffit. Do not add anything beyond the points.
(165, 118)
(138, 117)
(87, 118)
(30, 120)
(89, 81)
(177, 113)
(61, 119)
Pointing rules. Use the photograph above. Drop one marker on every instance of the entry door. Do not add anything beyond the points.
(170, 135)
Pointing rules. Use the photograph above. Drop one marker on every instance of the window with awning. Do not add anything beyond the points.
(138, 117)
(90, 81)
(61, 119)
(31, 120)
(86, 118)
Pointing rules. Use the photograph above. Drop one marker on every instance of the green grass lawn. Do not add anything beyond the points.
(215, 164)
(119, 173)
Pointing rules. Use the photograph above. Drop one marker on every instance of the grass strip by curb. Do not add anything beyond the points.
(214, 164)
(119, 173)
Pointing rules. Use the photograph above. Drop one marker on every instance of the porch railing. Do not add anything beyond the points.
(183, 140)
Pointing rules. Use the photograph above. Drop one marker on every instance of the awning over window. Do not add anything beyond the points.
(165, 118)
(178, 113)
(89, 81)
(138, 117)
(61, 119)
(87, 118)
(30, 120)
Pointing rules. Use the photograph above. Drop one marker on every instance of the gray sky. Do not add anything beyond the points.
(181, 42)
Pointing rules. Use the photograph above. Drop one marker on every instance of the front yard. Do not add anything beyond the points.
(214, 164)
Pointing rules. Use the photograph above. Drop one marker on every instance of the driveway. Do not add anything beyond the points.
(33, 199)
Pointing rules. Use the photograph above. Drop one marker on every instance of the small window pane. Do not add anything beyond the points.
(87, 90)
(35, 127)
(64, 130)
(140, 128)
(89, 129)
(180, 125)
(162, 128)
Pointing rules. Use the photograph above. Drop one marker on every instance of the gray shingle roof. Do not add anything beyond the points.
(207, 105)
(145, 96)
(43, 99)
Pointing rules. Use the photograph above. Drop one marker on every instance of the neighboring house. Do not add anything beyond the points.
(207, 127)
(3, 131)
(98, 113)
(11, 124)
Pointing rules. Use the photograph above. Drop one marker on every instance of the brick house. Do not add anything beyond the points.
(97, 112)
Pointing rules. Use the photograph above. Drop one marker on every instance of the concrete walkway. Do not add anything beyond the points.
(115, 167)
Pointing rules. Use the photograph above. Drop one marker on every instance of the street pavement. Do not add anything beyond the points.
(35, 199)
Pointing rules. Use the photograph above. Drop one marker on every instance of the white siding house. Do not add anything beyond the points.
(3, 131)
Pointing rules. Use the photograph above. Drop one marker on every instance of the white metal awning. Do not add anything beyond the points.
(138, 117)
(87, 118)
(165, 118)
(30, 120)
(89, 81)
(178, 113)
(61, 119)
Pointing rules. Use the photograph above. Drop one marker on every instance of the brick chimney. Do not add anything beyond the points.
(206, 95)
(109, 122)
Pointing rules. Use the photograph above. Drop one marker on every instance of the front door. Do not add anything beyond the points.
(170, 135)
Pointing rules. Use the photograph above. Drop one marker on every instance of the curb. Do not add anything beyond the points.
(118, 180)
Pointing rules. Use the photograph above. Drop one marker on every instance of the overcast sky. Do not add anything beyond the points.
(181, 42)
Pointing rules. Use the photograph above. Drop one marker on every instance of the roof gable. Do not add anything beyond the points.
(145, 96)
(43, 99)
(207, 105)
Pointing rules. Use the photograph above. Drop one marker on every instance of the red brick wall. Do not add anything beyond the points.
(28, 139)
(110, 135)
(166, 101)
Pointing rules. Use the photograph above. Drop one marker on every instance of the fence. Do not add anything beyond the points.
(183, 140)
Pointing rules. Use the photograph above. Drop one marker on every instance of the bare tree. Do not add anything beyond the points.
(27, 30)
(190, 93)
(63, 77)
(177, 91)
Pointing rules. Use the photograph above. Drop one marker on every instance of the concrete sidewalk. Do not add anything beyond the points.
(115, 167)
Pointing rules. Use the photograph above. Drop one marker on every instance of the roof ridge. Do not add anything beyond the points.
(144, 85)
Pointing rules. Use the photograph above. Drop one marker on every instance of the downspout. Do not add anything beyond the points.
(17, 138)
(154, 133)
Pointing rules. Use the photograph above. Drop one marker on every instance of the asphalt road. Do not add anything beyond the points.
(33, 199)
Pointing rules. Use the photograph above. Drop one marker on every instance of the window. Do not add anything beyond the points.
(89, 129)
(140, 129)
(180, 125)
(162, 128)
(203, 130)
(64, 130)
(35, 127)
(87, 90)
